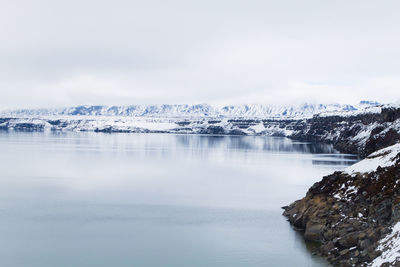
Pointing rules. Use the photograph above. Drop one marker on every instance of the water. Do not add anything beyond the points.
(91, 199)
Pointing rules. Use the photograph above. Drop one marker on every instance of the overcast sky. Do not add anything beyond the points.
(61, 53)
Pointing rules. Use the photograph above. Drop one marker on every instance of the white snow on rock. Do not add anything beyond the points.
(306, 110)
(390, 247)
(384, 158)
(258, 128)
(126, 124)
(93, 123)
(356, 111)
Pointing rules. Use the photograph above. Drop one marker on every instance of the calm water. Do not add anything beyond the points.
(87, 199)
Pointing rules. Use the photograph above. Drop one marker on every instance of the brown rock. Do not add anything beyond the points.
(329, 234)
(328, 247)
(362, 235)
(343, 252)
(348, 241)
(314, 231)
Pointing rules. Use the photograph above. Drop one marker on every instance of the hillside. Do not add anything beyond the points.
(355, 214)
(305, 110)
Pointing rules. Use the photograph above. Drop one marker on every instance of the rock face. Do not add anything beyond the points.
(349, 212)
(359, 134)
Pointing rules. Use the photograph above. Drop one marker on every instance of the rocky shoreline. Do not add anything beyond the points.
(351, 212)
(354, 215)
(360, 134)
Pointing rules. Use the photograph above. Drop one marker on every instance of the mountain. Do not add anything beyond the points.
(200, 110)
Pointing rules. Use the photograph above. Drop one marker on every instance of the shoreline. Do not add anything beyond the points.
(350, 213)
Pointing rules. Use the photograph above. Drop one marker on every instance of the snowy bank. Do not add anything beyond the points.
(355, 214)
(382, 158)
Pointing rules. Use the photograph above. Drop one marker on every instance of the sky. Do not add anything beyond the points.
(63, 53)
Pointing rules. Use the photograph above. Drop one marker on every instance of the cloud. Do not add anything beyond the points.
(58, 53)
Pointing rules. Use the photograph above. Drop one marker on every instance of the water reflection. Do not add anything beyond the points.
(91, 199)
(266, 144)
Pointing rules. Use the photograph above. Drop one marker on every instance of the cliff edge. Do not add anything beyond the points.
(355, 214)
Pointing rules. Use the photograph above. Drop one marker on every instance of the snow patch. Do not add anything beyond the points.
(258, 128)
(384, 158)
(306, 110)
(390, 247)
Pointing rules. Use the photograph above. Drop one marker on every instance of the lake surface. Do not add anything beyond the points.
(92, 199)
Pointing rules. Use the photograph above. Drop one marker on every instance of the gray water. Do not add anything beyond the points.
(91, 199)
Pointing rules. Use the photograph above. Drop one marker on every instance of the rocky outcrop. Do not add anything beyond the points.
(357, 134)
(350, 212)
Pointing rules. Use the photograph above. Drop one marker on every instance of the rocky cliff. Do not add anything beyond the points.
(361, 133)
(352, 213)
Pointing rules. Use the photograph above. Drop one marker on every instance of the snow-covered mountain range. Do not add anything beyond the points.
(306, 110)
(185, 119)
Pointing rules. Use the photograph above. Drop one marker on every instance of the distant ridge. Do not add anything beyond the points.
(199, 110)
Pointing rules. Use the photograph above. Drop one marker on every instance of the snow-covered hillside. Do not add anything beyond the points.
(354, 214)
(200, 110)
(221, 126)
(382, 158)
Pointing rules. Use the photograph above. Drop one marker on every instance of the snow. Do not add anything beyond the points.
(125, 124)
(390, 247)
(365, 132)
(305, 110)
(355, 112)
(92, 123)
(258, 128)
(277, 120)
(384, 158)
(143, 124)
(337, 196)
(344, 193)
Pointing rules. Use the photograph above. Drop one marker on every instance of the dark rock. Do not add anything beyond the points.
(328, 247)
(364, 253)
(236, 132)
(329, 234)
(344, 252)
(348, 241)
(345, 237)
(183, 123)
(213, 130)
(323, 129)
(314, 231)
(362, 235)
(366, 243)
